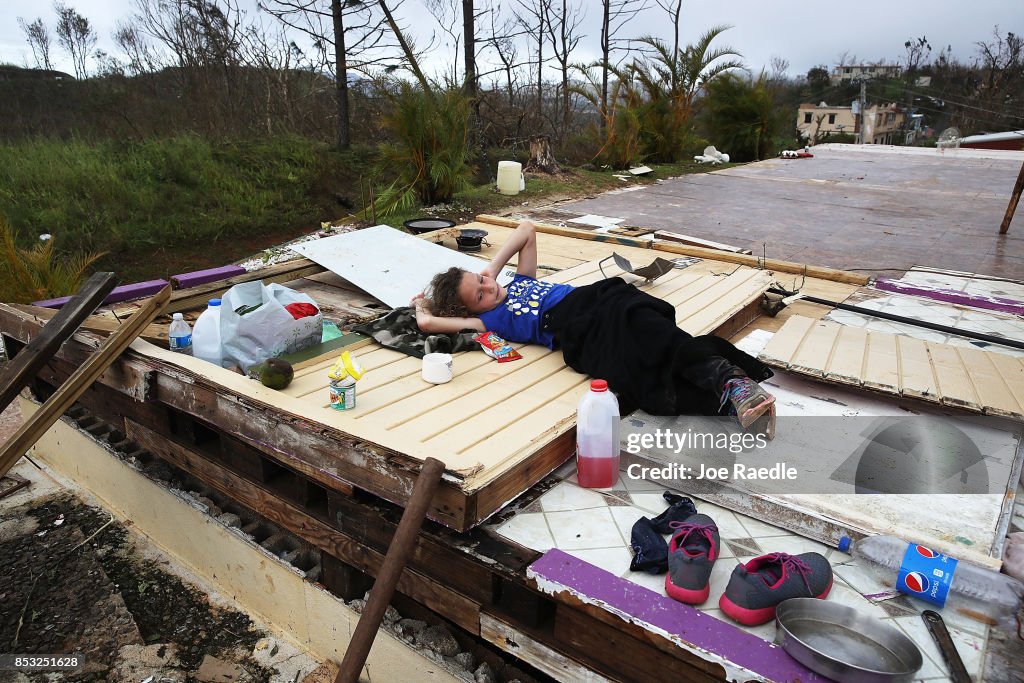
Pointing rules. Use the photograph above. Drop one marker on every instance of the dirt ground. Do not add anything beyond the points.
(74, 580)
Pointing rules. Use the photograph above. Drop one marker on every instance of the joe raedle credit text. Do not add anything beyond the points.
(692, 443)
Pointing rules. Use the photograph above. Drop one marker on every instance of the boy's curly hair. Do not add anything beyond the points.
(444, 294)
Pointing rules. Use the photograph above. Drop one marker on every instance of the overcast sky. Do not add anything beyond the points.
(804, 33)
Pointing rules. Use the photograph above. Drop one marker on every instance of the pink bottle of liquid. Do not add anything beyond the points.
(597, 437)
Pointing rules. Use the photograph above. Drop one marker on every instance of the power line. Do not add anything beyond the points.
(966, 106)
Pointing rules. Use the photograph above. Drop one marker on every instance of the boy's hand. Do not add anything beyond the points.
(491, 270)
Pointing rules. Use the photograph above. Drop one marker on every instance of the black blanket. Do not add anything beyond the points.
(613, 331)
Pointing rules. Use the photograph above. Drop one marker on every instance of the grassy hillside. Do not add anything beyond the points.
(141, 201)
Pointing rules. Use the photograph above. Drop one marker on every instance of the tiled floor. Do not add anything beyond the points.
(595, 526)
(919, 308)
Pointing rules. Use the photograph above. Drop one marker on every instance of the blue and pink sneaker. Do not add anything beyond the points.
(756, 588)
(749, 402)
(691, 556)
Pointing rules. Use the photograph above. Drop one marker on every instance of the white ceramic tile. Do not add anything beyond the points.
(641, 485)
(845, 596)
(625, 517)
(859, 578)
(654, 582)
(795, 545)
(725, 520)
(759, 529)
(650, 503)
(528, 529)
(614, 560)
(848, 318)
(720, 574)
(914, 627)
(566, 496)
(584, 529)
(971, 649)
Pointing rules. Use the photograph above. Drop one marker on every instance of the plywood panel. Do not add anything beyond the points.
(786, 342)
(815, 352)
(974, 379)
(881, 363)
(848, 354)
(956, 387)
(916, 370)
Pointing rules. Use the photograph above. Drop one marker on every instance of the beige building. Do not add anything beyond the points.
(860, 72)
(882, 123)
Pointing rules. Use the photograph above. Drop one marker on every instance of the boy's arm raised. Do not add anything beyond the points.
(523, 242)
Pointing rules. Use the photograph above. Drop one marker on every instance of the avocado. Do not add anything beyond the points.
(273, 372)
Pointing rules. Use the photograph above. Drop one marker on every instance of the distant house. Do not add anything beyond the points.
(882, 123)
(860, 72)
(1010, 140)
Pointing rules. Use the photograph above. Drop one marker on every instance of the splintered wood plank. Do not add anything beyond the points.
(848, 355)
(1012, 371)
(917, 380)
(994, 394)
(882, 363)
(814, 354)
(954, 381)
(786, 342)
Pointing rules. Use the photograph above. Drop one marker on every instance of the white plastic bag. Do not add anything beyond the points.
(267, 331)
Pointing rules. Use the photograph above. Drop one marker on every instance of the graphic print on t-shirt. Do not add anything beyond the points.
(524, 296)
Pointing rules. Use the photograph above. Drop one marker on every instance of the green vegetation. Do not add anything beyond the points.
(741, 116)
(431, 133)
(39, 272)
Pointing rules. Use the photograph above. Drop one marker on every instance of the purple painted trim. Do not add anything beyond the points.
(130, 292)
(992, 303)
(687, 623)
(201, 277)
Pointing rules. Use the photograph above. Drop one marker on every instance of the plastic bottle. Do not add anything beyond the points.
(206, 334)
(597, 437)
(179, 335)
(978, 593)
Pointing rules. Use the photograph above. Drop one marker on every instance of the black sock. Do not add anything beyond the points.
(679, 508)
(650, 551)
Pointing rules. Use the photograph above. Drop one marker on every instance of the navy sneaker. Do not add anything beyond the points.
(691, 556)
(756, 588)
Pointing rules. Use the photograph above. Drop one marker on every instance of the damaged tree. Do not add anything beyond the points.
(541, 158)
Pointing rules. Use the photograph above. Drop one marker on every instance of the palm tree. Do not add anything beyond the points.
(670, 82)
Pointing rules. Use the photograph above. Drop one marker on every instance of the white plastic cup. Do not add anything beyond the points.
(437, 368)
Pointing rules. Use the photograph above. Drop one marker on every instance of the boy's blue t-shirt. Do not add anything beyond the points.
(518, 318)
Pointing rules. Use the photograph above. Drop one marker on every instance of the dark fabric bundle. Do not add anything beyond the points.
(650, 550)
(614, 331)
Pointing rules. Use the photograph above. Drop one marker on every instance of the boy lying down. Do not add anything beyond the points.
(609, 330)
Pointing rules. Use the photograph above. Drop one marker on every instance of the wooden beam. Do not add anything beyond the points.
(578, 233)
(20, 371)
(85, 375)
(1012, 206)
(195, 297)
(820, 272)
(391, 571)
(100, 324)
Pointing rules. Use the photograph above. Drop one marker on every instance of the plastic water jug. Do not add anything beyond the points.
(206, 334)
(510, 177)
(597, 437)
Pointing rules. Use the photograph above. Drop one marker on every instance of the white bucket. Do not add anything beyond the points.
(437, 368)
(510, 177)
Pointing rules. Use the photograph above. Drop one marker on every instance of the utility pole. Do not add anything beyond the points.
(863, 113)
